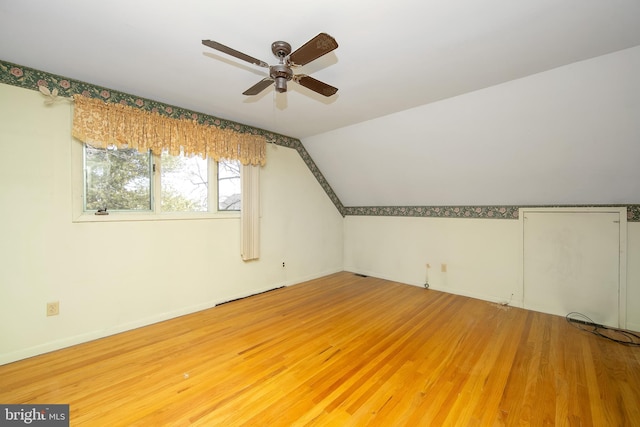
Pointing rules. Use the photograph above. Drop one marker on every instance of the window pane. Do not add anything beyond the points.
(229, 193)
(184, 182)
(117, 179)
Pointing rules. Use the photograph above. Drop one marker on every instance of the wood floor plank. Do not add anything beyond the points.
(341, 350)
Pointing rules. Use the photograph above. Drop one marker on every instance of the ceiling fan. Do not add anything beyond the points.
(281, 73)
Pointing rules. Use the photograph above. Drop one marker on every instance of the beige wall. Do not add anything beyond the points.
(115, 276)
(483, 256)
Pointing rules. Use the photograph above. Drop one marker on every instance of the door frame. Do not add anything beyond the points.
(622, 260)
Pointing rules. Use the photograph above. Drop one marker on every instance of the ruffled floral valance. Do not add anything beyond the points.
(103, 124)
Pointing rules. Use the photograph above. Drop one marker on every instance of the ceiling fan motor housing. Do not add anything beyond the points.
(281, 74)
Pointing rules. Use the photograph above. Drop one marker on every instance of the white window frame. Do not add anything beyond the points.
(79, 215)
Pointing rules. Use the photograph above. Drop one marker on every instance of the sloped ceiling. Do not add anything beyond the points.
(392, 57)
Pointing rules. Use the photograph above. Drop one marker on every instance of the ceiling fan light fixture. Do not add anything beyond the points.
(281, 84)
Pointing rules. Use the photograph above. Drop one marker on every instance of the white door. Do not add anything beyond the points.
(572, 264)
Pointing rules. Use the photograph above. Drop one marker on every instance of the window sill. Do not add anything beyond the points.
(148, 216)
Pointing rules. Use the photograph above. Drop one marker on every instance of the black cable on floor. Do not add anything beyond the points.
(619, 336)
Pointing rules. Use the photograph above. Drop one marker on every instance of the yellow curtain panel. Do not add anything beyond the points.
(250, 213)
(103, 124)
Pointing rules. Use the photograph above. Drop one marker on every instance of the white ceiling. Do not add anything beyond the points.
(392, 55)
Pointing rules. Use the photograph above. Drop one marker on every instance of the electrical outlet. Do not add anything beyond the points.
(443, 268)
(53, 308)
(282, 264)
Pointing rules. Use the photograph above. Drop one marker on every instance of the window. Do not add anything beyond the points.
(185, 184)
(117, 180)
(127, 181)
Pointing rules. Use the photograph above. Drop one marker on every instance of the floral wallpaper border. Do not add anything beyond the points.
(486, 212)
(28, 78)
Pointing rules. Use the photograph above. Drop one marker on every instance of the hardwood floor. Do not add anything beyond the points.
(342, 350)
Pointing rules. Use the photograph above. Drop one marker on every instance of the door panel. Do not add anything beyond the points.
(572, 263)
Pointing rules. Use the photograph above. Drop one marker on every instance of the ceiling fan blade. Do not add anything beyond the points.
(320, 45)
(235, 53)
(315, 85)
(259, 87)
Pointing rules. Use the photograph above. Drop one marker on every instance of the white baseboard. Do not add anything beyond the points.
(298, 280)
(633, 326)
(449, 290)
(94, 335)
